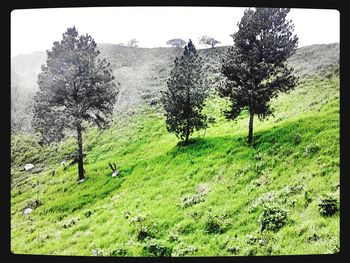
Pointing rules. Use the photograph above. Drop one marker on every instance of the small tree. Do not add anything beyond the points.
(184, 99)
(255, 68)
(208, 41)
(176, 42)
(74, 86)
(132, 43)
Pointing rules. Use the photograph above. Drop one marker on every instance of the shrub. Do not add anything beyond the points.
(97, 252)
(327, 205)
(311, 149)
(155, 248)
(265, 198)
(143, 233)
(307, 198)
(173, 236)
(233, 249)
(119, 252)
(202, 191)
(272, 218)
(182, 250)
(335, 246)
(313, 238)
(34, 203)
(191, 200)
(70, 222)
(252, 239)
(142, 228)
(214, 224)
(87, 213)
(138, 218)
(297, 138)
(231, 244)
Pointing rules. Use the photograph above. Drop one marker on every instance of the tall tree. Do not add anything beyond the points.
(176, 42)
(208, 41)
(255, 67)
(75, 87)
(184, 98)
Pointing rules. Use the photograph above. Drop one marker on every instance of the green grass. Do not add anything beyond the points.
(294, 160)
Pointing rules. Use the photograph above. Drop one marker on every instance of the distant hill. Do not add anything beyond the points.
(142, 72)
(319, 58)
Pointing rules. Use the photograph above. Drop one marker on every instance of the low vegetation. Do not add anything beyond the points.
(210, 198)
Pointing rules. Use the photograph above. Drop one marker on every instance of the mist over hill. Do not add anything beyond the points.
(143, 72)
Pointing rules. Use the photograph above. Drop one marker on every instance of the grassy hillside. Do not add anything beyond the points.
(205, 199)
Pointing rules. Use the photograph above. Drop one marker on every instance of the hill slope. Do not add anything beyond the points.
(205, 199)
(142, 72)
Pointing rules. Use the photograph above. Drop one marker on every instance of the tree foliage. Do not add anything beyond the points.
(208, 41)
(184, 98)
(75, 86)
(255, 67)
(132, 43)
(176, 42)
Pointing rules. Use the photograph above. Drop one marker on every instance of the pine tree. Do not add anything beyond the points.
(75, 87)
(255, 67)
(184, 98)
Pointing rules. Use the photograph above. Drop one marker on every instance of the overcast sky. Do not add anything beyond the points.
(36, 29)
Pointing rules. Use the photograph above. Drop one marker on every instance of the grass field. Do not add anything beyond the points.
(205, 199)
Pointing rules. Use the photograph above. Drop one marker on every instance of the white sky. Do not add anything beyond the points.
(36, 29)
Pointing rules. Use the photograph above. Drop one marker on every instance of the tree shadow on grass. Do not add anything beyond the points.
(279, 135)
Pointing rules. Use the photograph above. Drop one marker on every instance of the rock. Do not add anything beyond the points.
(27, 211)
(81, 181)
(28, 167)
(203, 189)
(115, 173)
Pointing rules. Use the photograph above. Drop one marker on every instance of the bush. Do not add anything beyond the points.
(191, 200)
(183, 250)
(272, 218)
(70, 222)
(256, 239)
(233, 249)
(142, 228)
(143, 233)
(327, 205)
(297, 138)
(311, 149)
(119, 252)
(202, 191)
(97, 252)
(35, 203)
(173, 236)
(214, 224)
(307, 198)
(155, 248)
(335, 246)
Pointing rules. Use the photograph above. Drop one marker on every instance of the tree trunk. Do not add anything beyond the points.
(80, 152)
(187, 134)
(251, 117)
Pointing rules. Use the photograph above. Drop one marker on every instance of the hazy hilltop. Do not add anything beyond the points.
(143, 72)
(318, 58)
